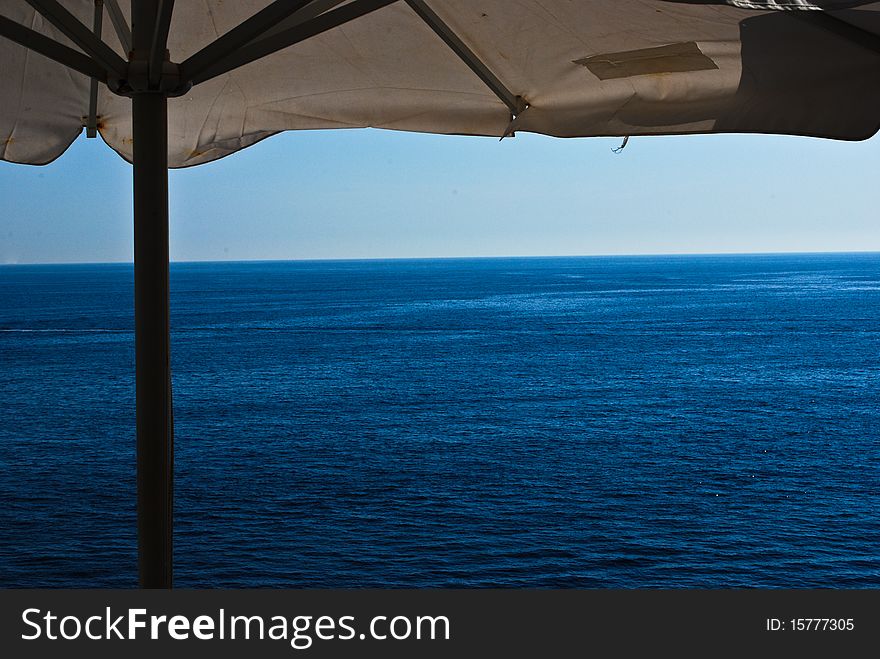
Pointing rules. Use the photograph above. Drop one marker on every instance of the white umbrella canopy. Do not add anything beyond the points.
(563, 68)
(178, 84)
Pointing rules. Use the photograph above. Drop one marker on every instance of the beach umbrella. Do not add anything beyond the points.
(180, 84)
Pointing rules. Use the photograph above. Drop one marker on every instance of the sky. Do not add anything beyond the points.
(359, 194)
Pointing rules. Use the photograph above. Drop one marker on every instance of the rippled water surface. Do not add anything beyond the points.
(582, 422)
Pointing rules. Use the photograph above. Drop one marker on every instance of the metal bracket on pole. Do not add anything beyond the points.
(92, 121)
(150, 68)
(91, 45)
(516, 104)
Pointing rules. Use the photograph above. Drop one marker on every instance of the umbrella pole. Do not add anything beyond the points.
(155, 438)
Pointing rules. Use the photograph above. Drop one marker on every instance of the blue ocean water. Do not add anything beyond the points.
(565, 422)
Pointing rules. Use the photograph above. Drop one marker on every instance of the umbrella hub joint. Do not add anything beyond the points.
(138, 79)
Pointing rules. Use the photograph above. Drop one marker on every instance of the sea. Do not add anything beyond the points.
(595, 422)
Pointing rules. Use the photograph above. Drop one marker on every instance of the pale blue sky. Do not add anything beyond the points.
(379, 194)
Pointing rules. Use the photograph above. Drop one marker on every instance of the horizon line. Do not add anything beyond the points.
(463, 258)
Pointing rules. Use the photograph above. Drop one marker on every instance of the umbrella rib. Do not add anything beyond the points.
(841, 28)
(159, 42)
(71, 27)
(285, 38)
(515, 103)
(123, 32)
(50, 48)
(240, 35)
(92, 121)
(307, 13)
